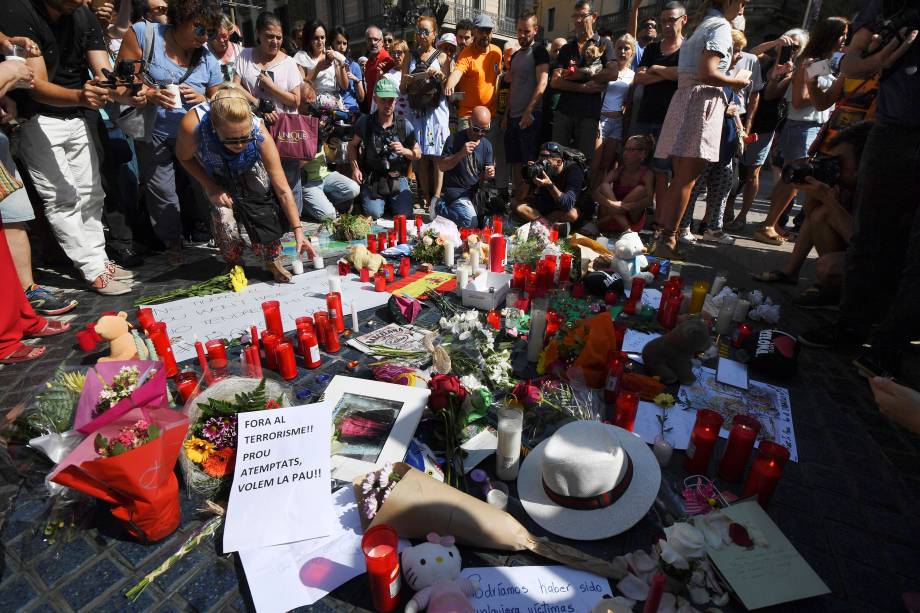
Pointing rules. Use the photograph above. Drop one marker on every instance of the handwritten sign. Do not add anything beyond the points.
(535, 589)
(231, 314)
(280, 492)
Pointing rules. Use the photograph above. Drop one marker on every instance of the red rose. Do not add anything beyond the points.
(443, 387)
(527, 394)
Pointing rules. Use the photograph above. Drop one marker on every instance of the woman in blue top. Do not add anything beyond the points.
(354, 93)
(183, 73)
(692, 130)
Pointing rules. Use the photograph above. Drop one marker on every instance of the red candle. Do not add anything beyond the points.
(624, 414)
(741, 335)
(304, 322)
(565, 268)
(380, 282)
(404, 267)
(765, 472)
(620, 331)
(381, 557)
(494, 319)
(578, 290)
(655, 591)
(553, 321)
(217, 353)
(254, 337)
(332, 339)
(344, 268)
(86, 340)
(160, 339)
(671, 309)
(270, 342)
(372, 243)
(551, 269)
(497, 247)
(614, 374)
(702, 441)
(465, 233)
(553, 235)
(287, 365)
(399, 221)
(654, 268)
(630, 307)
(611, 298)
(497, 224)
(391, 237)
(321, 318)
(202, 359)
(272, 311)
(145, 318)
(255, 361)
(390, 272)
(334, 307)
(381, 240)
(738, 449)
(418, 225)
(365, 275)
(187, 384)
(635, 291)
(309, 349)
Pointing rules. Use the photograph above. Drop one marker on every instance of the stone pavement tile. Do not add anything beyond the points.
(831, 505)
(821, 476)
(823, 564)
(91, 583)
(871, 586)
(907, 463)
(145, 602)
(899, 527)
(209, 587)
(66, 558)
(886, 494)
(329, 605)
(135, 554)
(855, 544)
(182, 569)
(17, 593)
(801, 528)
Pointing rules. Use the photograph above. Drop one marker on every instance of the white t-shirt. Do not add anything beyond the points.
(325, 79)
(616, 91)
(285, 74)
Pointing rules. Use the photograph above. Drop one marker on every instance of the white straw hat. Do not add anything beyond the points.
(589, 481)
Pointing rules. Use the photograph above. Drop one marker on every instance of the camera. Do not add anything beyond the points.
(386, 154)
(532, 171)
(125, 74)
(889, 29)
(265, 106)
(824, 168)
(333, 124)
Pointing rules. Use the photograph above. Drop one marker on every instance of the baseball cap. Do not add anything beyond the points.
(483, 22)
(386, 89)
(446, 39)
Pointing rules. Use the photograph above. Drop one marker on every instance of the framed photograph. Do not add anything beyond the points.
(372, 423)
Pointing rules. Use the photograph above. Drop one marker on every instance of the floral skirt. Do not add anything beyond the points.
(693, 126)
(230, 242)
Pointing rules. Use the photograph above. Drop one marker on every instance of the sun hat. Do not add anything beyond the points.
(484, 22)
(446, 39)
(386, 89)
(589, 481)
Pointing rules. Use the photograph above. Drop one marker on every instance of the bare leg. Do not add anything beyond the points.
(661, 188)
(527, 212)
(800, 250)
(829, 270)
(674, 204)
(782, 195)
(18, 240)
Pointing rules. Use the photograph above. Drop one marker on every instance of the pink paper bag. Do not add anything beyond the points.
(151, 394)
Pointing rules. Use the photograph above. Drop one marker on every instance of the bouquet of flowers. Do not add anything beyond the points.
(347, 227)
(429, 249)
(129, 464)
(209, 450)
(531, 240)
(235, 280)
(114, 388)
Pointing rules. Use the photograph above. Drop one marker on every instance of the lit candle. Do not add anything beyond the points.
(254, 336)
(145, 318)
(766, 470)
(381, 557)
(497, 224)
(624, 414)
(287, 365)
(636, 289)
(380, 282)
(741, 439)
(702, 441)
(700, 289)
(354, 317)
(217, 353)
(187, 384)
(614, 374)
(741, 335)
(537, 329)
(271, 309)
(508, 452)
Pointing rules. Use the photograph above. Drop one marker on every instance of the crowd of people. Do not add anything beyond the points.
(149, 124)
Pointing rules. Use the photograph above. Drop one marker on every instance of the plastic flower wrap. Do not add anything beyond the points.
(113, 388)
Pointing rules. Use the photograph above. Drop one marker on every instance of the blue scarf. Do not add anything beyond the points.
(217, 159)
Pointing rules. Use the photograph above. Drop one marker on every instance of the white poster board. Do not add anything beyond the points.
(230, 315)
(536, 588)
(282, 467)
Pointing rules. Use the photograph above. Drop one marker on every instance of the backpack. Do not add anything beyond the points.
(423, 93)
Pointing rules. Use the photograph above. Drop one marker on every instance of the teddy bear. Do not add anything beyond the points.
(669, 357)
(629, 258)
(117, 330)
(360, 258)
(432, 569)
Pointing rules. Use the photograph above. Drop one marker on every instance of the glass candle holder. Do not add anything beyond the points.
(741, 439)
(365, 275)
(270, 343)
(287, 364)
(381, 556)
(271, 309)
(627, 406)
(86, 340)
(336, 313)
(217, 353)
(702, 441)
(565, 268)
(380, 282)
(766, 470)
(497, 224)
(404, 267)
(372, 243)
(187, 384)
(508, 453)
(344, 267)
(160, 339)
(145, 318)
(636, 289)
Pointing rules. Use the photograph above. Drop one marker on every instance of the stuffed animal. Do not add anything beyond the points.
(360, 258)
(432, 569)
(630, 258)
(669, 357)
(117, 330)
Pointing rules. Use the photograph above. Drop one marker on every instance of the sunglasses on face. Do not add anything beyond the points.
(158, 10)
(423, 32)
(243, 140)
(200, 31)
(651, 25)
(478, 130)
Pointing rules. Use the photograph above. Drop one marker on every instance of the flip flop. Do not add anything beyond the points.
(23, 353)
(762, 237)
(51, 328)
(774, 276)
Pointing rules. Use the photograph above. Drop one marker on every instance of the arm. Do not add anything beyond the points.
(452, 81)
(646, 75)
(610, 72)
(823, 100)
(91, 96)
(11, 73)
(289, 99)
(562, 84)
(186, 144)
(542, 72)
(283, 190)
(352, 154)
(239, 81)
(449, 162)
(119, 28)
(341, 73)
(632, 23)
(855, 63)
(709, 73)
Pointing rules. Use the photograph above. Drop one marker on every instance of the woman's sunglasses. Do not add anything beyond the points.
(200, 31)
(243, 140)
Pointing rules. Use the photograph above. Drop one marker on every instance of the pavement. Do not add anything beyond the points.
(851, 505)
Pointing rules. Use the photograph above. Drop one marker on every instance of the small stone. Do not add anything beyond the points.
(304, 394)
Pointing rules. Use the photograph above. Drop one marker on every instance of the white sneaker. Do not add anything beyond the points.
(718, 236)
(687, 238)
(118, 273)
(110, 287)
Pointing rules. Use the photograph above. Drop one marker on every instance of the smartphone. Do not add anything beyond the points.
(786, 53)
(819, 69)
(744, 74)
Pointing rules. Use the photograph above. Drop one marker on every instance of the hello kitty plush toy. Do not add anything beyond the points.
(432, 569)
(629, 253)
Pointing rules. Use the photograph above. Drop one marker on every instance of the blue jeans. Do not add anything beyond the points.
(322, 199)
(460, 211)
(795, 140)
(399, 203)
(292, 174)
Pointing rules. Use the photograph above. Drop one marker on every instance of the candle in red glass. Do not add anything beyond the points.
(702, 441)
(399, 222)
(551, 262)
(372, 243)
(304, 322)
(272, 311)
(254, 337)
(334, 307)
(624, 414)
(254, 359)
(287, 365)
(611, 298)
(365, 275)
(578, 290)
(614, 374)
(344, 267)
(465, 233)
(320, 319)
(381, 557)
(145, 318)
(160, 339)
(553, 321)
(187, 384)
(738, 449)
(636, 289)
(382, 240)
(553, 235)
(678, 282)
(391, 237)
(654, 268)
(217, 353)
(497, 247)
(765, 472)
(309, 349)
(497, 224)
(485, 235)
(199, 350)
(518, 276)
(270, 343)
(332, 339)
(741, 335)
(630, 307)
(671, 310)
(380, 282)
(404, 267)
(418, 224)
(565, 268)
(494, 319)
(86, 340)
(391, 272)
(619, 331)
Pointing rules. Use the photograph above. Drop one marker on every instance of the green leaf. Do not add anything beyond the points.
(153, 432)
(119, 449)
(100, 442)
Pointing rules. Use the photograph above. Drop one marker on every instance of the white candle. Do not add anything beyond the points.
(508, 454)
(662, 450)
(297, 266)
(741, 310)
(354, 317)
(717, 284)
(463, 276)
(475, 252)
(448, 253)
(318, 262)
(335, 284)
(537, 329)
(726, 311)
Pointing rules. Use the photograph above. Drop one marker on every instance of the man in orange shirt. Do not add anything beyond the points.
(476, 73)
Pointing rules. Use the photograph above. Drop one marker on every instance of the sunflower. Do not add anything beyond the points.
(198, 450)
(220, 463)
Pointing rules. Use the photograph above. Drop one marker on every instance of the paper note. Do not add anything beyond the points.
(765, 575)
(282, 462)
(634, 342)
(285, 577)
(678, 425)
(650, 297)
(478, 448)
(732, 373)
(535, 588)
(392, 336)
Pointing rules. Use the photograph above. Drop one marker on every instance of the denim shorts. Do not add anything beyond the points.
(611, 128)
(16, 207)
(755, 154)
(795, 140)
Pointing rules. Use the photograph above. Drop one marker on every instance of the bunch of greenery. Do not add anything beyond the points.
(348, 227)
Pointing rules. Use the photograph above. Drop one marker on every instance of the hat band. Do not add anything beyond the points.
(601, 501)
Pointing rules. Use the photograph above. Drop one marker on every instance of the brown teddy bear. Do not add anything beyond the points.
(117, 330)
(669, 357)
(360, 258)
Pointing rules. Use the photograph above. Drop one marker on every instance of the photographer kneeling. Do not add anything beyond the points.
(466, 160)
(380, 153)
(229, 152)
(552, 187)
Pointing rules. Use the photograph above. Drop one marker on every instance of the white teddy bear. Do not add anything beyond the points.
(629, 258)
(433, 570)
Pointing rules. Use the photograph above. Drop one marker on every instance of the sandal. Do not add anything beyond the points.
(51, 328)
(279, 272)
(762, 237)
(23, 353)
(774, 276)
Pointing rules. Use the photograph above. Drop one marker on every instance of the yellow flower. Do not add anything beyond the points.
(238, 279)
(665, 401)
(198, 450)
